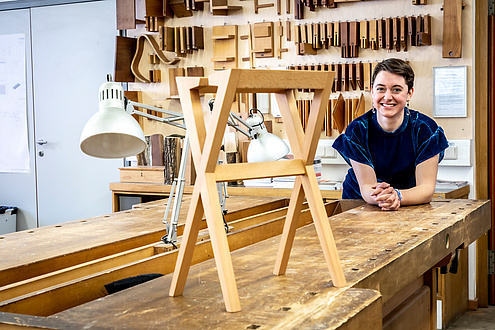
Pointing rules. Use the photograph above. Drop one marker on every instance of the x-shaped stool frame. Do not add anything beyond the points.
(205, 147)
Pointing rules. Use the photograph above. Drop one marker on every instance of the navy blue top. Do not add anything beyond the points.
(393, 155)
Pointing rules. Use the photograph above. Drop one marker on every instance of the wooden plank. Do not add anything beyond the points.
(452, 29)
(72, 273)
(84, 240)
(88, 288)
(126, 15)
(125, 48)
(172, 74)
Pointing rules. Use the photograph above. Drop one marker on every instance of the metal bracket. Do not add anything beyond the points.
(491, 262)
(491, 7)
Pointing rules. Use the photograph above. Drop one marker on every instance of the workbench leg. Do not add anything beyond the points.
(290, 226)
(115, 202)
(482, 270)
(431, 281)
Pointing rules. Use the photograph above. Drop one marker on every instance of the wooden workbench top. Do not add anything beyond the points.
(83, 240)
(378, 250)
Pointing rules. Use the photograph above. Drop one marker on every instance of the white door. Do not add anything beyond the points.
(19, 189)
(72, 51)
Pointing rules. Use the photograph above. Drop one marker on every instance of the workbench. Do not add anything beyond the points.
(153, 191)
(53, 276)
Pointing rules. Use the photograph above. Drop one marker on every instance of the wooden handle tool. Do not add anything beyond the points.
(425, 34)
(298, 9)
(330, 33)
(367, 77)
(411, 30)
(338, 77)
(403, 33)
(345, 77)
(359, 75)
(354, 39)
(323, 35)
(344, 39)
(396, 33)
(351, 67)
(381, 33)
(364, 34)
(389, 32)
(419, 29)
(373, 34)
(336, 34)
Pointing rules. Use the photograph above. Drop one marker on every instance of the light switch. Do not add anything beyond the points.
(451, 152)
(330, 152)
(457, 154)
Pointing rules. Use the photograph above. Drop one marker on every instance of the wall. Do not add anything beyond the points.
(423, 59)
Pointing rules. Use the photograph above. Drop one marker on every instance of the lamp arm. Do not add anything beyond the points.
(174, 116)
(231, 122)
(167, 120)
(150, 107)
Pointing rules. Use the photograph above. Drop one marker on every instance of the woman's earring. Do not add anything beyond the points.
(373, 108)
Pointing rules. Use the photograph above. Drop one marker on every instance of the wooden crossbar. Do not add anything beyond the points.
(231, 172)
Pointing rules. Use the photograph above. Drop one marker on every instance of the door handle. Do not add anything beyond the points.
(41, 142)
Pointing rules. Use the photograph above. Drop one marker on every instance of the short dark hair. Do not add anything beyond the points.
(398, 67)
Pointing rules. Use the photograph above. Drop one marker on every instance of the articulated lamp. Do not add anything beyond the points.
(113, 133)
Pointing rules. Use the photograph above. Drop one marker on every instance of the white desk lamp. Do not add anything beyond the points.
(113, 133)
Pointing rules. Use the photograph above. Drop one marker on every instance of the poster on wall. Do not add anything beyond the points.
(14, 152)
(449, 91)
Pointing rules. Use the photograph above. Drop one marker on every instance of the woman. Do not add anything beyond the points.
(393, 151)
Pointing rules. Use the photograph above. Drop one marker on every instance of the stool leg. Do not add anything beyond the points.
(290, 226)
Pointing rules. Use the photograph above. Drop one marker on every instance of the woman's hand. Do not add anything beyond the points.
(386, 197)
(373, 192)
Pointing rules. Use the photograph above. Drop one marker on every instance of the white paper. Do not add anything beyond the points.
(14, 152)
(449, 96)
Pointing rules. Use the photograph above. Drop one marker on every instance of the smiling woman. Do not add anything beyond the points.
(393, 151)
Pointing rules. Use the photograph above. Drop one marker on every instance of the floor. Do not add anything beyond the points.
(483, 318)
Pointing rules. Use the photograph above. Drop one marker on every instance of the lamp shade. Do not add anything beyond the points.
(112, 132)
(264, 146)
(267, 147)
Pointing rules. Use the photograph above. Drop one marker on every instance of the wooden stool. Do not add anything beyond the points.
(205, 147)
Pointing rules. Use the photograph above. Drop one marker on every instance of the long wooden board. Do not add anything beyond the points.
(379, 250)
